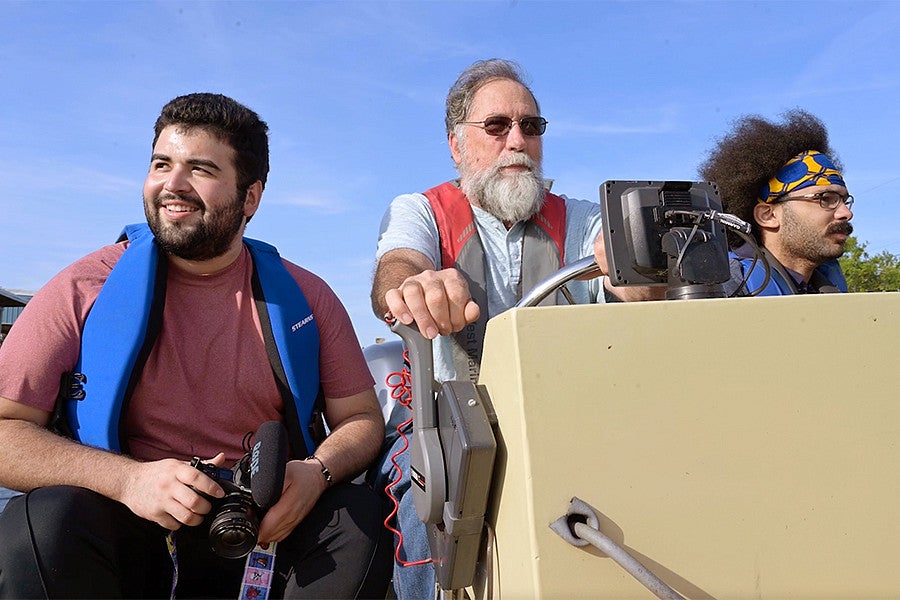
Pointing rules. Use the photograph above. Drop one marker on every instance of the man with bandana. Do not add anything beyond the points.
(467, 250)
(785, 180)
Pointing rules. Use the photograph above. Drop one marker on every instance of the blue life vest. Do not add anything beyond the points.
(123, 324)
(828, 273)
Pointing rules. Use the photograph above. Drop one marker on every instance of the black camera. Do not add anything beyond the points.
(251, 487)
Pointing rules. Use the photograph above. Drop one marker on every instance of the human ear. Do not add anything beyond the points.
(455, 151)
(252, 198)
(766, 216)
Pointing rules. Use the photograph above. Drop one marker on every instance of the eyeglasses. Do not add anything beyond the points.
(497, 126)
(827, 200)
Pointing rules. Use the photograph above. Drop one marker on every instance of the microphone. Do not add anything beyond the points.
(268, 459)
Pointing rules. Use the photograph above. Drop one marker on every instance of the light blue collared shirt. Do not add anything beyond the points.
(410, 223)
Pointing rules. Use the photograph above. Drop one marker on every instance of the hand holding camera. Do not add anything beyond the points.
(251, 487)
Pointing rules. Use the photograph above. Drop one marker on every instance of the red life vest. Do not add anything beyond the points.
(543, 254)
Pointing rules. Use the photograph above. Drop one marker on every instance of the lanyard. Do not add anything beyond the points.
(258, 570)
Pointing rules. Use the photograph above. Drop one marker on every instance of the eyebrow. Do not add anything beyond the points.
(200, 162)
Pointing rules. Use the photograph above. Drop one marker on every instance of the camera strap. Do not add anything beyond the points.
(173, 553)
(258, 570)
(258, 573)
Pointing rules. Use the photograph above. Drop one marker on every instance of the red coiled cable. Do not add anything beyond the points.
(398, 383)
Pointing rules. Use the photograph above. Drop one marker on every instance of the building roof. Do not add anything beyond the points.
(7, 298)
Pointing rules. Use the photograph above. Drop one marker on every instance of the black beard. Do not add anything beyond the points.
(208, 239)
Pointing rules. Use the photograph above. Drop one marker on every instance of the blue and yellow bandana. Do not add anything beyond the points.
(804, 170)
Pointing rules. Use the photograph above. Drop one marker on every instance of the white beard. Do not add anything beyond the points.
(511, 197)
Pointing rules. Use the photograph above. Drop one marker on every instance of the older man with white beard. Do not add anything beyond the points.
(498, 214)
(467, 250)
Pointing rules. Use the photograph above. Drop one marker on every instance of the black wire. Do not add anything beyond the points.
(245, 443)
(757, 256)
(739, 227)
(685, 247)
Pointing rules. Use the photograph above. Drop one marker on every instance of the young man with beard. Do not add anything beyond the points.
(117, 511)
(784, 179)
(467, 250)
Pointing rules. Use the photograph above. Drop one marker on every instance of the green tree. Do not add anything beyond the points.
(864, 273)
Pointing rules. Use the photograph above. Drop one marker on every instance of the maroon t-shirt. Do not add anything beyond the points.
(207, 381)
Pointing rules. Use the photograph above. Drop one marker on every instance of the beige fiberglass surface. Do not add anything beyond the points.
(737, 448)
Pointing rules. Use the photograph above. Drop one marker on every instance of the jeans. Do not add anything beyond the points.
(5, 496)
(410, 582)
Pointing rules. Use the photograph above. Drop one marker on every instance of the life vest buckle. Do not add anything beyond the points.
(76, 386)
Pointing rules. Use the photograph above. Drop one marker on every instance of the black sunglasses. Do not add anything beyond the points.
(497, 126)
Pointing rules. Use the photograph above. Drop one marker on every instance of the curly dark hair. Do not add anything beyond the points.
(746, 158)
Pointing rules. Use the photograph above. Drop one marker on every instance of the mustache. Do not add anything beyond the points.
(516, 159)
(840, 227)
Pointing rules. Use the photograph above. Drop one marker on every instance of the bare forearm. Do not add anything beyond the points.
(31, 457)
(168, 492)
(352, 446)
(393, 269)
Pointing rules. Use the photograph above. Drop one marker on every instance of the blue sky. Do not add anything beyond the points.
(353, 93)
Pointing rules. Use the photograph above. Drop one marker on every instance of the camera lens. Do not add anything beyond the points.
(234, 531)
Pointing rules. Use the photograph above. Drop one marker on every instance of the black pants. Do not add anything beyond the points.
(69, 542)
